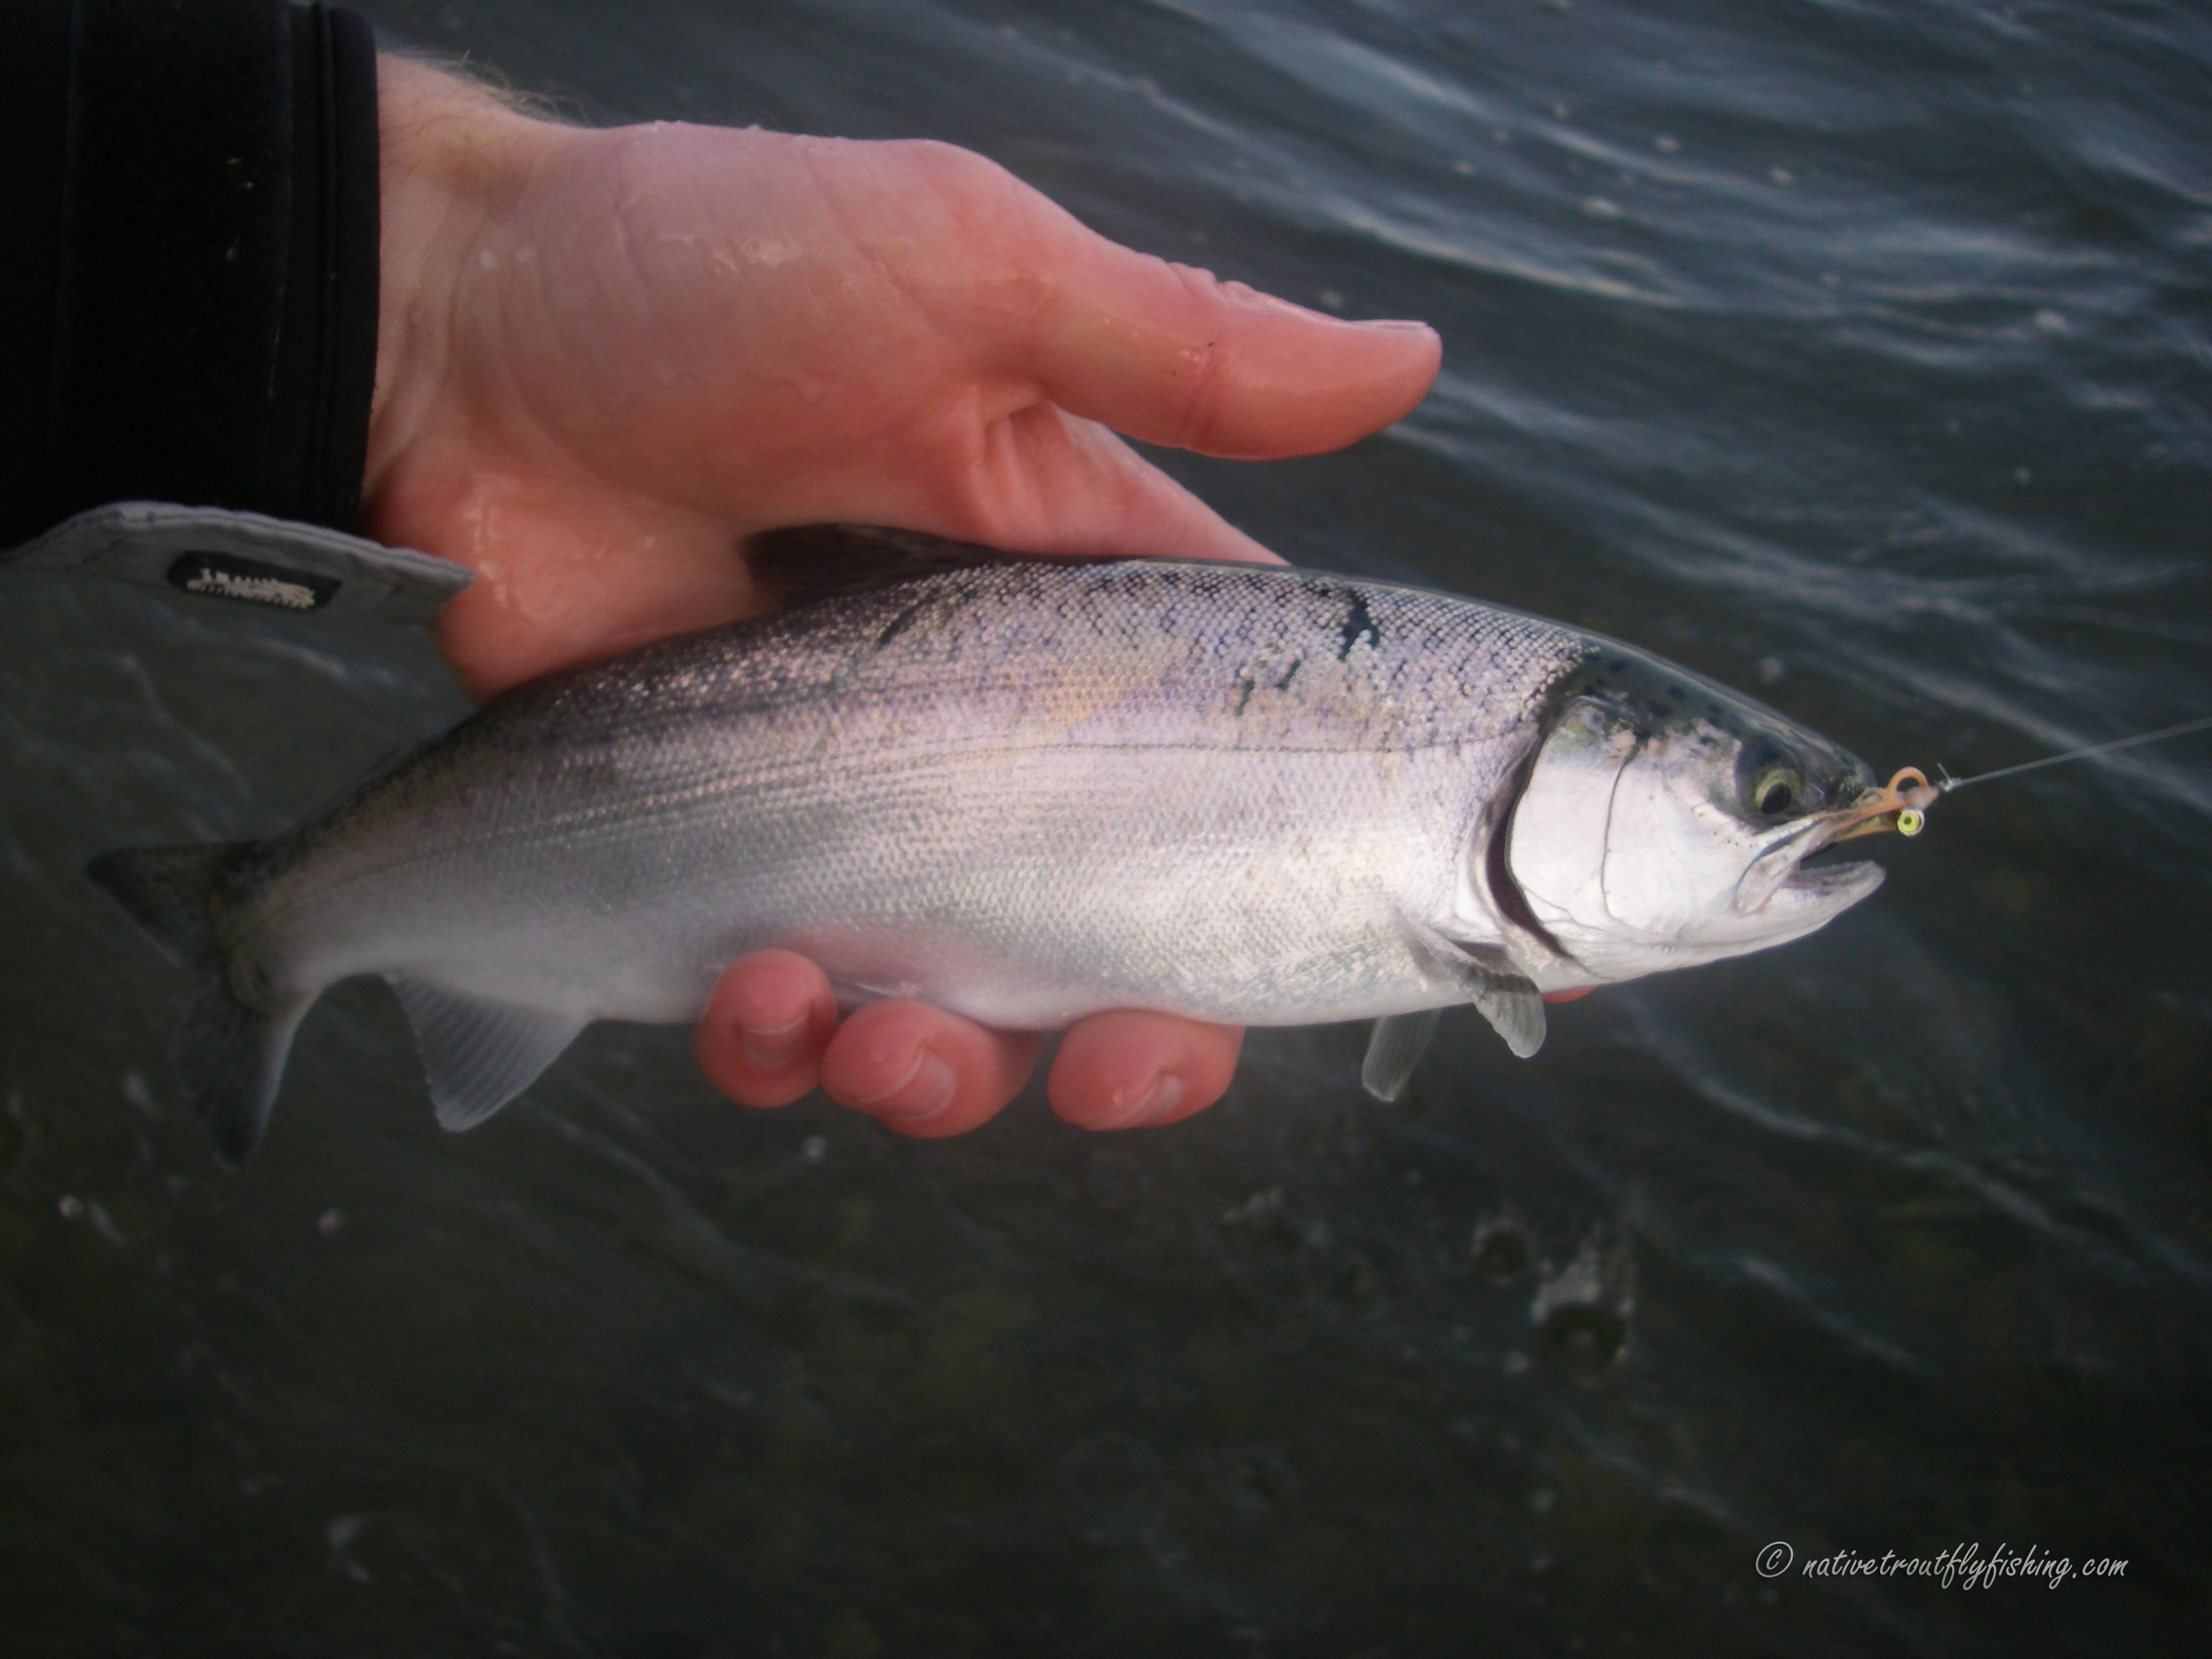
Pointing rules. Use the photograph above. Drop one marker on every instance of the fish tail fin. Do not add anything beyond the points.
(229, 1054)
(230, 1058)
(169, 892)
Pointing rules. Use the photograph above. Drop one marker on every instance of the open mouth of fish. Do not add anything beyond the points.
(1783, 873)
(1834, 876)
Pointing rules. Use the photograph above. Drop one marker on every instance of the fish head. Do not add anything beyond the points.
(1665, 822)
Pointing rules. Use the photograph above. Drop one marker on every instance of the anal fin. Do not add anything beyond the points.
(477, 1052)
(1396, 1049)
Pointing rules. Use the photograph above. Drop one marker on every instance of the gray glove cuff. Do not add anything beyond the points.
(246, 558)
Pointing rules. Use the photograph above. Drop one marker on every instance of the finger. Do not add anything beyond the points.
(921, 1071)
(1170, 354)
(1129, 1069)
(1053, 483)
(767, 1021)
(1574, 993)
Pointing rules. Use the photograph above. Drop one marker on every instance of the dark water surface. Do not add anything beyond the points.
(1856, 354)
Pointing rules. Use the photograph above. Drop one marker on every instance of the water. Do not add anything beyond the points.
(1856, 354)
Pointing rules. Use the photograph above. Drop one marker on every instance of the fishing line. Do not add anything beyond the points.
(1902, 803)
(1949, 783)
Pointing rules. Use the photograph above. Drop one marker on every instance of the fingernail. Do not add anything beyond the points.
(1166, 1096)
(924, 1091)
(772, 1048)
(1397, 325)
(1162, 1098)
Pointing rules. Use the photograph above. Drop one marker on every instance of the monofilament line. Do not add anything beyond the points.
(2199, 724)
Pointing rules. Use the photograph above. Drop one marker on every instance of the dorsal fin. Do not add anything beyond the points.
(831, 560)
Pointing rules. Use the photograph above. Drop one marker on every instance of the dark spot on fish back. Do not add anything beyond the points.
(898, 624)
(1290, 674)
(1357, 623)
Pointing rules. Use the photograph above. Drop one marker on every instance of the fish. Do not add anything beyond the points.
(1023, 789)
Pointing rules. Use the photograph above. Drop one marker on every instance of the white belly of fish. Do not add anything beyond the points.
(1024, 891)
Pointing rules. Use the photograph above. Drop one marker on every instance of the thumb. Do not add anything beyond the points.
(1170, 355)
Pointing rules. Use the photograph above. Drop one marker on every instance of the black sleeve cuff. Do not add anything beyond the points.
(189, 313)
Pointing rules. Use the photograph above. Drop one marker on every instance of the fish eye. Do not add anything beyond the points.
(1775, 791)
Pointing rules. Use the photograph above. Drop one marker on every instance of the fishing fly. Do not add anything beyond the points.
(1902, 804)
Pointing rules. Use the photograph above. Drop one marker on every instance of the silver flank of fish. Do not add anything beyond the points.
(1023, 791)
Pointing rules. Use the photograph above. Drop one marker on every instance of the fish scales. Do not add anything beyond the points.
(1019, 754)
(1024, 791)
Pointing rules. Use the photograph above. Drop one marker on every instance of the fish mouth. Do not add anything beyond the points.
(1778, 877)
(1849, 881)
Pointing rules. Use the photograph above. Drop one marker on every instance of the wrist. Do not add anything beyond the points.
(455, 162)
(193, 263)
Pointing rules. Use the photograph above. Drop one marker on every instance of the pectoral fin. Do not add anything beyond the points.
(479, 1054)
(1494, 983)
(1513, 1008)
(1396, 1049)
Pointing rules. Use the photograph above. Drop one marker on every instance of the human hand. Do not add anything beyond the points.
(606, 358)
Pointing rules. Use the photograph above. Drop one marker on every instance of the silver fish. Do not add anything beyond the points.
(1025, 790)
